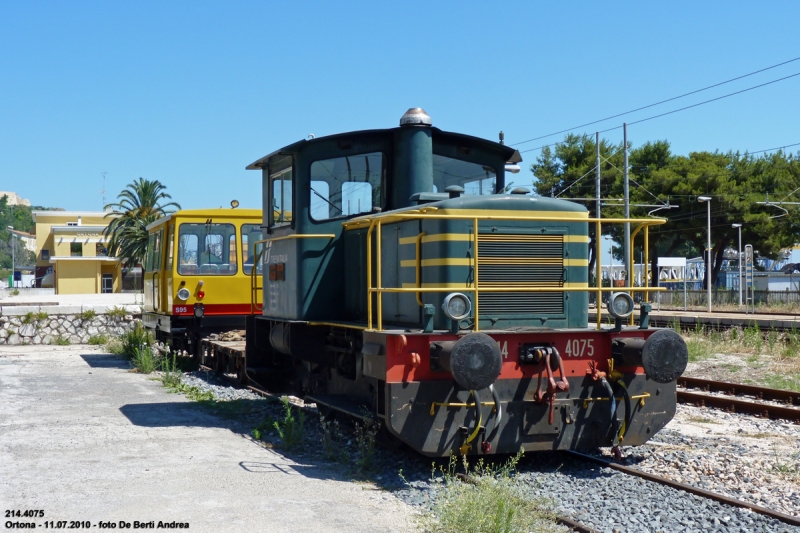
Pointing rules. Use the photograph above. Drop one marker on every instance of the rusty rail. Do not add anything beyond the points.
(788, 519)
(733, 405)
(737, 389)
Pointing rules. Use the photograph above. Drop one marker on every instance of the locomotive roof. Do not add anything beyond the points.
(511, 155)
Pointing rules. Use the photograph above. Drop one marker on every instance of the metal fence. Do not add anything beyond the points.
(724, 297)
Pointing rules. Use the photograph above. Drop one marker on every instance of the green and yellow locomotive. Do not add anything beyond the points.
(402, 281)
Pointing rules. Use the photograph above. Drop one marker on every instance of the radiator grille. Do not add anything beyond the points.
(520, 261)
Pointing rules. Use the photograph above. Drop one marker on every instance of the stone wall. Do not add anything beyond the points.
(42, 328)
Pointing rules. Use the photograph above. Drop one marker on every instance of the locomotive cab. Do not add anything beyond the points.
(402, 279)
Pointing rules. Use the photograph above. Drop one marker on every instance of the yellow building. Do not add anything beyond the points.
(73, 245)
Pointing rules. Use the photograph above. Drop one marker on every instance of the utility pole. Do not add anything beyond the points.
(598, 270)
(627, 243)
(13, 257)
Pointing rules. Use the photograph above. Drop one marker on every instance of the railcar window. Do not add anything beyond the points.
(207, 249)
(170, 247)
(153, 261)
(281, 197)
(251, 233)
(475, 178)
(345, 186)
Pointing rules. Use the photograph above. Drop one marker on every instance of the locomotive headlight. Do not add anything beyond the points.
(620, 304)
(456, 306)
(183, 293)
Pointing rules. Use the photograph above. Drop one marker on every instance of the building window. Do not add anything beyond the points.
(45, 254)
(100, 250)
(75, 249)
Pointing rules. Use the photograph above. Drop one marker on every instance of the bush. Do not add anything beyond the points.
(88, 315)
(170, 373)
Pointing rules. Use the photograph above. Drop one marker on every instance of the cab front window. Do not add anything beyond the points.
(207, 249)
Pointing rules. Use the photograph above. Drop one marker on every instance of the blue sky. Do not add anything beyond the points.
(189, 93)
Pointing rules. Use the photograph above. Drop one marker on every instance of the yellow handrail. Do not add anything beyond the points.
(371, 222)
(298, 236)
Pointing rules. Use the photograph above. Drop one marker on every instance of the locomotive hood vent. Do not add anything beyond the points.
(416, 116)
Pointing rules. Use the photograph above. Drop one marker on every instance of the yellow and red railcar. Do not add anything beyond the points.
(197, 274)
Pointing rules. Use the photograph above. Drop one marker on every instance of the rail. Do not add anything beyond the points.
(254, 288)
(376, 222)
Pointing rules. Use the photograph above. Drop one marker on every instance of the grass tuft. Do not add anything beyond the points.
(87, 315)
(491, 502)
(98, 340)
(60, 340)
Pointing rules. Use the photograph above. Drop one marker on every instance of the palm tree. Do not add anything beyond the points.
(137, 207)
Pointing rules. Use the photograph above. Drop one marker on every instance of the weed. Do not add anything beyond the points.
(731, 368)
(290, 429)
(31, 317)
(87, 315)
(365, 445)
(143, 359)
(116, 312)
(783, 381)
(332, 438)
(790, 467)
(134, 339)
(98, 340)
(60, 340)
(114, 345)
(699, 348)
(266, 424)
(15, 292)
(170, 373)
(491, 502)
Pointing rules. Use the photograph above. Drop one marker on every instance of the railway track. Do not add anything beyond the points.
(731, 398)
(788, 519)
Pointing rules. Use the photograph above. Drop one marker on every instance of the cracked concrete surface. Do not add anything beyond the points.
(84, 439)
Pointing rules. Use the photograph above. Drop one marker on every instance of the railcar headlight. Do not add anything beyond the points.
(183, 293)
(199, 310)
(620, 304)
(456, 306)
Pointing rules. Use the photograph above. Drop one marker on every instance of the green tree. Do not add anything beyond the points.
(735, 182)
(138, 205)
(569, 172)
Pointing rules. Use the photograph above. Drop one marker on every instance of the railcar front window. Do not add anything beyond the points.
(251, 233)
(281, 197)
(346, 186)
(207, 249)
(473, 177)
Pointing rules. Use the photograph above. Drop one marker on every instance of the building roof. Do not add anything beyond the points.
(53, 213)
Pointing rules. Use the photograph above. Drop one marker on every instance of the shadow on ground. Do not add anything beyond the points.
(105, 360)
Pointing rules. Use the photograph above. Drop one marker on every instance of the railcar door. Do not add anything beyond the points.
(152, 271)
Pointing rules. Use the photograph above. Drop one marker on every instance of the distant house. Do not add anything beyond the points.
(73, 245)
(28, 239)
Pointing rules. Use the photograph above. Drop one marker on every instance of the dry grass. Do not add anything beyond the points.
(750, 355)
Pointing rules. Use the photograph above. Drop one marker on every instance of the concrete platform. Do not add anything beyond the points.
(81, 438)
(69, 304)
(666, 318)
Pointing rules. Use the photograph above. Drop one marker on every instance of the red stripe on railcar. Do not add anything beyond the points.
(212, 309)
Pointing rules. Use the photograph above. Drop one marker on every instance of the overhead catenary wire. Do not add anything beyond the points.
(681, 108)
(657, 103)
